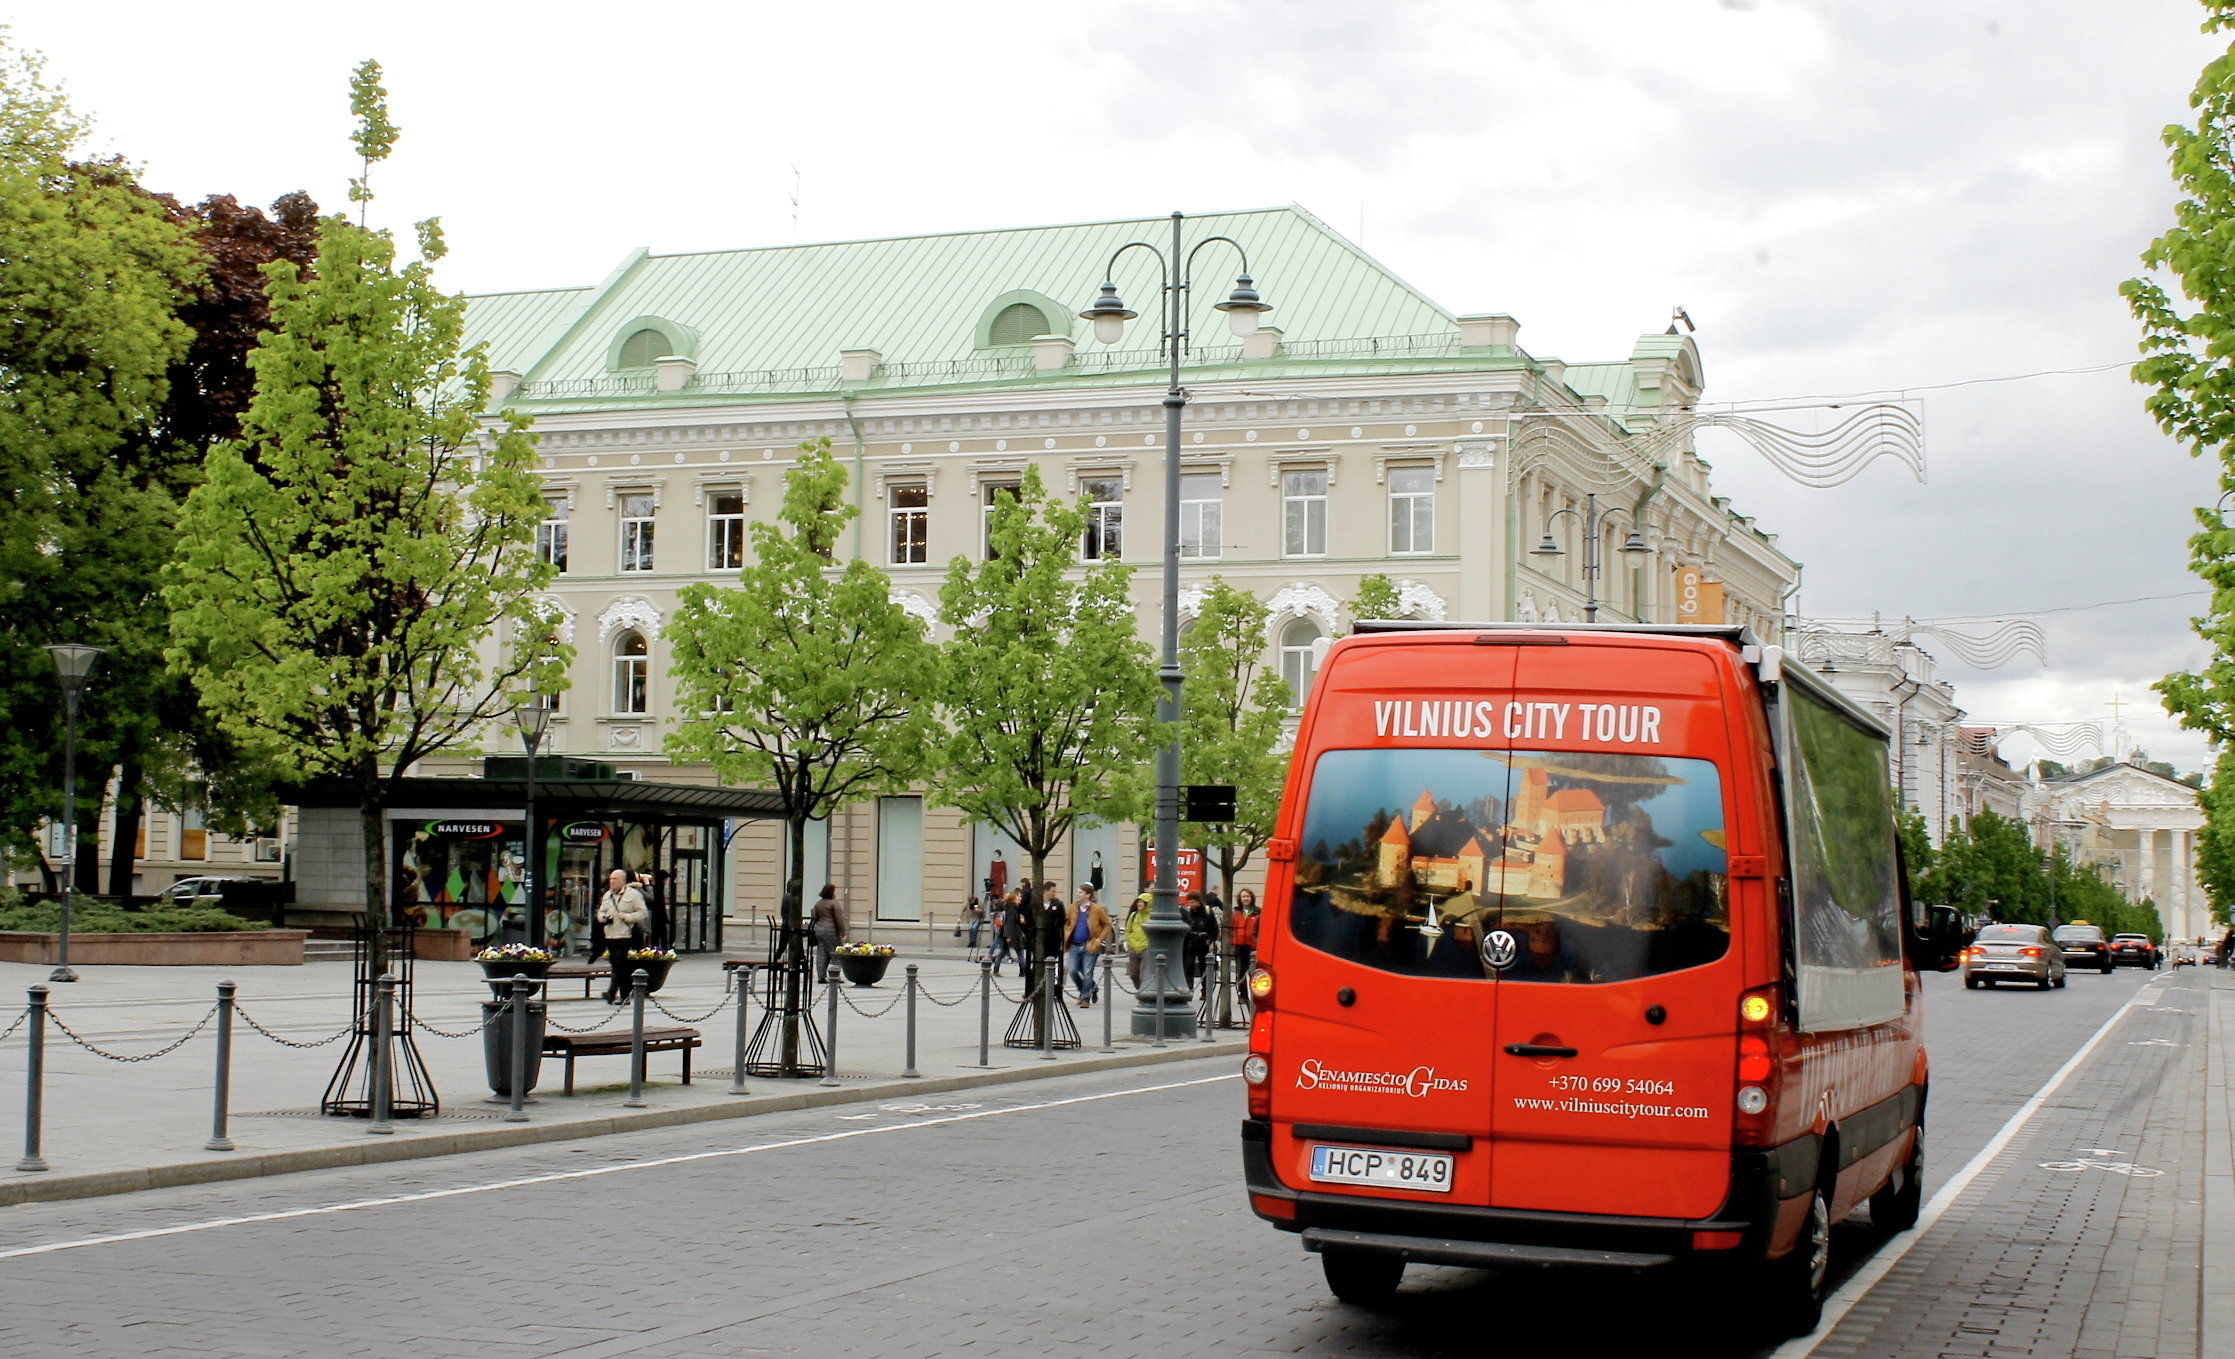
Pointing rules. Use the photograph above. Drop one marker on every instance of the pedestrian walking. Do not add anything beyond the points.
(973, 920)
(1016, 933)
(1244, 929)
(828, 924)
(1137, 937)
(622, 918)
(1086, 932)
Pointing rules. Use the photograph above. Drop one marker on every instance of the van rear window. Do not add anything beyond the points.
(1524, 866)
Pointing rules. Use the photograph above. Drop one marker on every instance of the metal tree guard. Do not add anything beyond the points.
(789, 999)
(411, 1091)
(1026, 1026)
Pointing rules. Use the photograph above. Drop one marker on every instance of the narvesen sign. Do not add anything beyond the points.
(582, 832)
(465, 830)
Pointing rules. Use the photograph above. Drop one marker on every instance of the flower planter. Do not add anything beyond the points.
(864, 969)
(500, 972)
(220, 948)
(655, 974)
(496, 1044)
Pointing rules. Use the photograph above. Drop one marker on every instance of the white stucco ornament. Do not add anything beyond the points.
(1301, 600)
(1191, 601)
(629, 611)
(561, 621)
(1417, 600)
(916, 606)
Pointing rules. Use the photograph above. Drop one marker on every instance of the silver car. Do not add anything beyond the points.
(2013, 953)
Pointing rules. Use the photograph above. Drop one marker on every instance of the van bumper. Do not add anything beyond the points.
(1480, 1237)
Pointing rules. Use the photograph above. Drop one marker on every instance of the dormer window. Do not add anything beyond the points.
(1018, 323)
(642, 348)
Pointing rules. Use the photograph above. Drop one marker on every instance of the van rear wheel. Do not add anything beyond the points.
(1797, 1282)
(1362, 1278)
(1897, 1204)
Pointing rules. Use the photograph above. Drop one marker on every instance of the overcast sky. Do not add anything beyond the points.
(1878, 194)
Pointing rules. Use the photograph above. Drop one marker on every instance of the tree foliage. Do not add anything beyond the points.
(1992, 869)
(94, 271)
(348, 563)
(1234, 714)
(2215, 844)
(1377, 597)
(2189, 361)
(1047, 688)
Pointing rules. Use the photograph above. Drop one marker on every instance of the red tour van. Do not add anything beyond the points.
(1584, 946)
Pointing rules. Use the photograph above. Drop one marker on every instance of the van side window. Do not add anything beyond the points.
(1846, 893)
(1525, 866)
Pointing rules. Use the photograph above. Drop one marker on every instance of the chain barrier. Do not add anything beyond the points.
(164, 1051)
(244, 1017)
(5, 1033)
(921, 990)
(719, 1006)
(418, 1023)
(618, 1015)
(1003, 991)
(846, 993)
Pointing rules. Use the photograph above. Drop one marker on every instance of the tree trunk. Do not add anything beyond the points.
(792, 939)
(131, 811)
(89, 834)
(377, 911)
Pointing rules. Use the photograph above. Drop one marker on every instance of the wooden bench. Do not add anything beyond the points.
(573, 1045)
(587, 972)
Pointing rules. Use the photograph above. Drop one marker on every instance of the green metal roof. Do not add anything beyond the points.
(775, 319)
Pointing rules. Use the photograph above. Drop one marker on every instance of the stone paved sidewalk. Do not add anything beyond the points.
(111, 1127)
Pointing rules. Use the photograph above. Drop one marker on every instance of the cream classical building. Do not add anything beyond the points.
(2139, 825)
(1365, 429)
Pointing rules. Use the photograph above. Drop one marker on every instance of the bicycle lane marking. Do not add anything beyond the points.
(591, 1172)
(1880, 1264)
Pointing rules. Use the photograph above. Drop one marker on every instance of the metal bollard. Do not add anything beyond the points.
(522, 988)
(1156, 971)
(1051, 982)
(985, 1013)
(384, 1028)
(830, 1026)
(1107, 997)
(910, 1072)
(1214, 982)
(742, 980)
(640, 986)
(221, 1092)
(35, 1075)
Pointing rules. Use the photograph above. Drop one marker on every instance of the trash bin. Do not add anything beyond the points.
(496, 1044)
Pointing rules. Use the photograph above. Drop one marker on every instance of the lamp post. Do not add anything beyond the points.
(73, 665)
(534, 719)
(1632, 547)
(1161, 1005)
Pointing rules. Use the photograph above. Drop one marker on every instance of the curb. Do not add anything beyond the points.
(375, 1151)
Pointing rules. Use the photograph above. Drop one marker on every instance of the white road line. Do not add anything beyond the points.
(1889, 1255)
(592, 1172)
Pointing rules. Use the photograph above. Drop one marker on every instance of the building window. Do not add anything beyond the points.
(1303, 503)
(1412, 509)
(551, 534)
(1299, 658)
(908, 508)
(1105, 518)
(632, 673)
(636, 531)
(993, 493)
(725, 530)
(193, 835)
(1018, 323)
(1201, 533)
(642, 348)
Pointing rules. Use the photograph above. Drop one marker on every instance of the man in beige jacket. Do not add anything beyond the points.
(621, 920)
(1086, 932)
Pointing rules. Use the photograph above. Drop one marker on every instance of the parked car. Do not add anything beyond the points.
(2013, 953)
(2137, 950)
(2084, 946)
(236, 894)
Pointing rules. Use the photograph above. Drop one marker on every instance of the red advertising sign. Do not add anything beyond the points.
(1190, 866)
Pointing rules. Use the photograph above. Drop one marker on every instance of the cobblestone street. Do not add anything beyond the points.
(1100, 1213)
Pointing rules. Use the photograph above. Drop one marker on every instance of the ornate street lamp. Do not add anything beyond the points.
(1164, 997)
(1633, 547)
(534, 719)
(73, 666)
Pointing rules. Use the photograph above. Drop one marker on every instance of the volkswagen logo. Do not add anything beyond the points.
(1499, 948)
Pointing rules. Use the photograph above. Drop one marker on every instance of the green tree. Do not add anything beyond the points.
(806, 678)
(1917, 853)
(1377, 597)
(94, 271)
(1232, 725)
(2189, 361)
(2215, 845)
(1047, 687)
(353, 589)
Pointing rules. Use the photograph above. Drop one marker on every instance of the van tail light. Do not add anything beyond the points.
(2033, 953)
(1260, 985)
(1761, 1051)
(1257, 1067)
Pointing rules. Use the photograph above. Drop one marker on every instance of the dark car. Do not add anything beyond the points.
(2084, 946)
(2135, 950)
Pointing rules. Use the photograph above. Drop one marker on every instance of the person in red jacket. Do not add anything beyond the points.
(1244, 926)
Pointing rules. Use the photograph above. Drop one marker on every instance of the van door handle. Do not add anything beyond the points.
(1538, 1050)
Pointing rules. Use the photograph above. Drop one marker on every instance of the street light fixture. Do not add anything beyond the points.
(534, 719)
(1633, 547)
(73, 666)
(1161, 1005)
